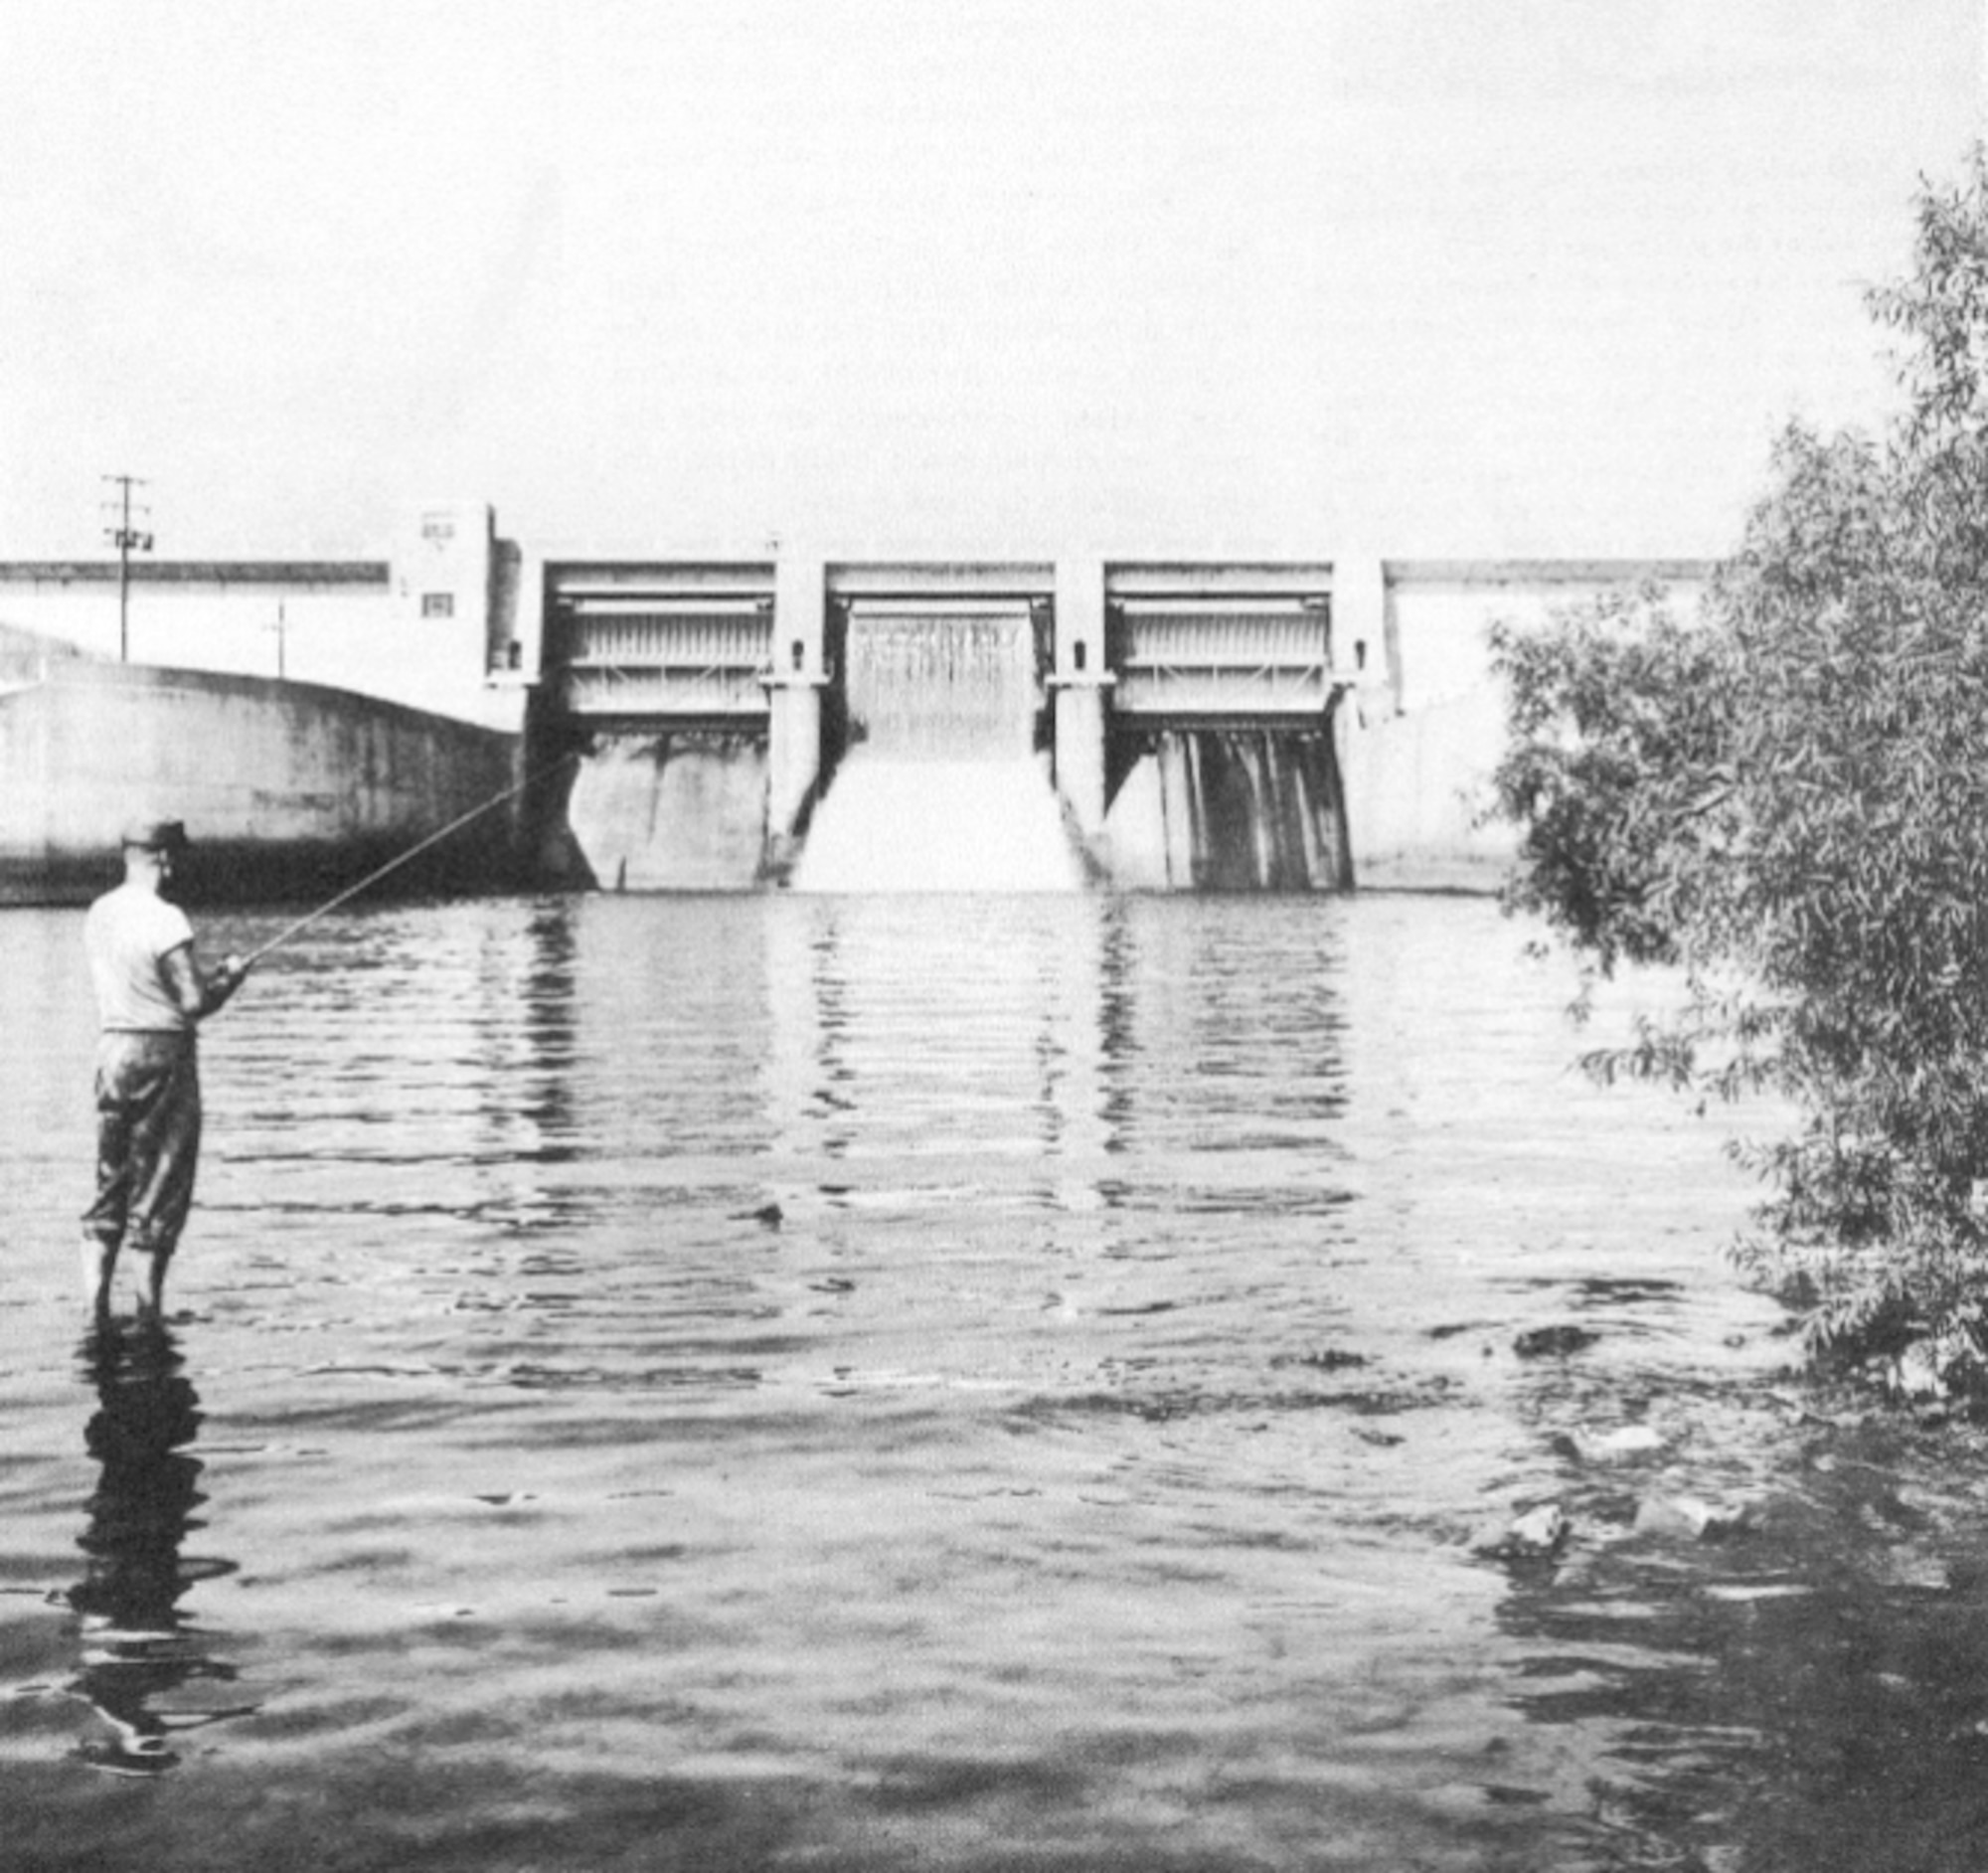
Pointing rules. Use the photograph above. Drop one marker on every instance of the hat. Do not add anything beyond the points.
(156, 835)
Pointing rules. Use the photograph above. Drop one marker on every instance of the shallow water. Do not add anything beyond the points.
(941, 1382)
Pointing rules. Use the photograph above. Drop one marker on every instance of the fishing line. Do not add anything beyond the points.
(394, 864)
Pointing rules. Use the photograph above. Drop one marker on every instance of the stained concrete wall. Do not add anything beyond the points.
(289, 785)
(1226, 810)
(684, 811)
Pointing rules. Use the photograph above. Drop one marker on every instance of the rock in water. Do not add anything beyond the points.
(1687, 1517)
(1553, 1342)
(1607, 1446)
(1535, 1535)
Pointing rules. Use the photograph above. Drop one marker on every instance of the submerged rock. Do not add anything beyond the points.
(1611, 1446)
(1535, 1535)
(1553, 1342)
(1685, 1517)
(1916, 1375)
(1326, 1359)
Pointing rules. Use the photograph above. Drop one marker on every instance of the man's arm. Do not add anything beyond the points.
(198, 992)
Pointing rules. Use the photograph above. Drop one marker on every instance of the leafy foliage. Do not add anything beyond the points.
(1787, 798)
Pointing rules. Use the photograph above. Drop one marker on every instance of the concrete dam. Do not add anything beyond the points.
(947, 727)
(740, 720)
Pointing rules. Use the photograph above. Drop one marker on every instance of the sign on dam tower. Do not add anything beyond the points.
(871, 726)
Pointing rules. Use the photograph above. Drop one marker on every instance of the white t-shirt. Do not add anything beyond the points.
(127, 934)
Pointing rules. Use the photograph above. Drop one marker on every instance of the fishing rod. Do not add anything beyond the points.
(394, 864)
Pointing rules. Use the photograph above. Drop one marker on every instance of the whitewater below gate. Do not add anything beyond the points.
(957, 1382)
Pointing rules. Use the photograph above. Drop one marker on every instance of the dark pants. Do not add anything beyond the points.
(147, 1140)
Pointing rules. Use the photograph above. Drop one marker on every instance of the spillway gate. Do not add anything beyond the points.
(1183, 710)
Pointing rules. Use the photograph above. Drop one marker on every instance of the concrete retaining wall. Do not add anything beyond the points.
(284, 787)
(1417, 744)
(1417, 785)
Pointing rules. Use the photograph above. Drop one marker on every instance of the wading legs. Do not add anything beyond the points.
(99, 1262)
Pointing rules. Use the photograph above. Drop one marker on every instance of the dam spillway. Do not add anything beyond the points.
(1241, 808)
(933, 681)
(965, 726)
(940, 786)
(894, 824)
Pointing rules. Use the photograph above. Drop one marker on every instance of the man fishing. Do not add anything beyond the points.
(151, 996)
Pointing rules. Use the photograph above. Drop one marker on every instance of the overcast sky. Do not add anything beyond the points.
(1418, 277)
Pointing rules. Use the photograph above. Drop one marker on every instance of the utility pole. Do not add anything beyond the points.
(125, 537)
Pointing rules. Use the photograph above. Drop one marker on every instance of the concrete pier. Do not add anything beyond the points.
(1081, 683)
(795, 677)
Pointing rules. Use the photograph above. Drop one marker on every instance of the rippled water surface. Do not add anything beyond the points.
(941, 1383)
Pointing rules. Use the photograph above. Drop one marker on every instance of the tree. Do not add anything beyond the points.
(1786, 798)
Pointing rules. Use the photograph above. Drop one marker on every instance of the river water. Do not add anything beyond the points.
(955, 1383)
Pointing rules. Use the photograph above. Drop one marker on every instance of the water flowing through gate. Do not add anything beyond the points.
(942, 786)
(1223, 766)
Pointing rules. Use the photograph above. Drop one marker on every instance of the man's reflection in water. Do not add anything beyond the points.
(138, 1649)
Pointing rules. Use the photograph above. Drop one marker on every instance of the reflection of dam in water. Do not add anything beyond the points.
(950, 727)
